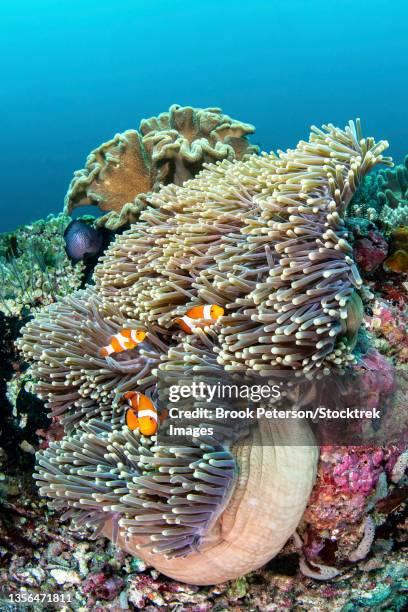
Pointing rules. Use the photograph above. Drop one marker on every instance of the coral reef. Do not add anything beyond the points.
(350, 481)
(353, 482)
(364, 204)
(170, 148)
(393, 195)
(383, 197)
(21, 412)
(265, 239)
(34, 268)
(388, 325)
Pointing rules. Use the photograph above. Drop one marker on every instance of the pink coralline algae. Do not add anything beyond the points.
(370, 252)
(347, 487)
(393, 290)
(102, 586)
(358, 471)
(347, 476)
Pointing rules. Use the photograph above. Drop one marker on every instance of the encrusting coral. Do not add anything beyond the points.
(34, 267)
(170, 148)
(398, 259)
(263, 238)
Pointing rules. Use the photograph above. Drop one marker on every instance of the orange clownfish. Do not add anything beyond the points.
(198, 316)
(123, 341)
(141, 414)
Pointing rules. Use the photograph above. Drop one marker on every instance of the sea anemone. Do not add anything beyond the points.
(393, 186)
(265, 239)
(201, 513)
(63, 343)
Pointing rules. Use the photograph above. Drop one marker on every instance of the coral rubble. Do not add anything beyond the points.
(50, 557)
(170, 148)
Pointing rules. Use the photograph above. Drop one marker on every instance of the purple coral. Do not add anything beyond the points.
(358, 471)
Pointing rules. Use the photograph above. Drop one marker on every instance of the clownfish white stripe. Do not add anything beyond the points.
(133, 335)
(109, 349)
(147, 413)
(122, 341)
(207, 312)
(188, 321)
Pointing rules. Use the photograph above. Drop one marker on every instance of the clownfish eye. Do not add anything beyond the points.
(216, 311)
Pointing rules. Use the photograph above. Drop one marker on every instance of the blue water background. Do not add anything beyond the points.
(75, 72)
